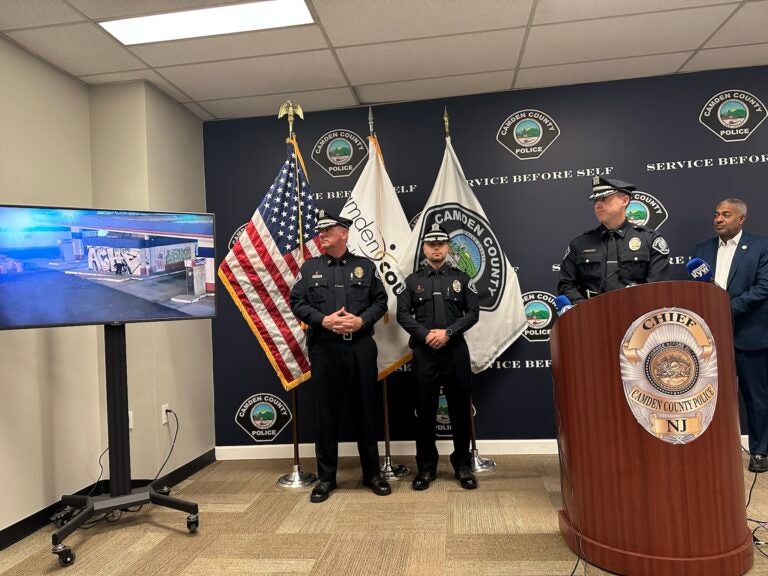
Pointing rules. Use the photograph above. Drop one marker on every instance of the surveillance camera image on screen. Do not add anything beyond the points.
(73, 266)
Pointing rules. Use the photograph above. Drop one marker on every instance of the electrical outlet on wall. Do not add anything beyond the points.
(163, 410)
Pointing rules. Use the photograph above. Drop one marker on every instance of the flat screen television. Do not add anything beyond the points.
(76, 266)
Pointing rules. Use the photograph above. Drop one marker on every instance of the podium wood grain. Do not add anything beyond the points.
(634, 504)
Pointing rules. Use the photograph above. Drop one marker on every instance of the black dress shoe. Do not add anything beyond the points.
(321, 492)
(378, 486)
(466, 478)
(758, 463)
(422, 481)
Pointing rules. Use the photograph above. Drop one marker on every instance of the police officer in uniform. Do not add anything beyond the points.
(436, 307)
(616, 253)
(340, 297)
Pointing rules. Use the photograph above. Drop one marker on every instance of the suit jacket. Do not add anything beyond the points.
(747, 286)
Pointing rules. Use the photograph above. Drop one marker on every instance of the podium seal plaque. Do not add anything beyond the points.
(669, 372)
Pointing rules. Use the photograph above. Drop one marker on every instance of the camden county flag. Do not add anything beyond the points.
(379, 232)
(475, 250)
(263, 264)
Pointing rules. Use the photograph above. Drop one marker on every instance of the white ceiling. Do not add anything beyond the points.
(362, 52)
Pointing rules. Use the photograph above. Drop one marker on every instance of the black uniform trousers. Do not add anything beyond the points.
(344, 370)
(448, 367)
(752, 369)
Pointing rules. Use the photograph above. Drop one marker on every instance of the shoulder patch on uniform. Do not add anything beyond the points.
(376, 273)
(567, 251)
(660, 245)
(298, 277)
(471, 286)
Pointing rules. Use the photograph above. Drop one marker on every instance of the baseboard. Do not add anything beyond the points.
(33, 523)
(399, 448)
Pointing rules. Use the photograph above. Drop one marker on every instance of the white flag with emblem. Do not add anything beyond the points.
(476, 251)
(379, 232)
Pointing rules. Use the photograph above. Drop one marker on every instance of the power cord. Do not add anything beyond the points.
(101, 472)
(756, 542)
(115, 515)
(173, 444)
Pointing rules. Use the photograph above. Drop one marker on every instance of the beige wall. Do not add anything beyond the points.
(121, 146)
(50, 435)
(148, 155)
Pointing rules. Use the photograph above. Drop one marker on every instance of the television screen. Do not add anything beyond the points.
(73, 266)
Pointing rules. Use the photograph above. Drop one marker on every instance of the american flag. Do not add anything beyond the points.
(263, 265)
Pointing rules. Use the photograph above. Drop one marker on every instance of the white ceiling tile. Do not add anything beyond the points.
(622, 36)
(600, 71)
(199, 111)
(146, 74)
(269, 105)
(99, 9)
(366, 21)
(25, 13)
(548, 11)
(735, 57)
(428, 58)
(257, 76)
(435, 87)
(231, 46)
(748, 26)
(77, 48)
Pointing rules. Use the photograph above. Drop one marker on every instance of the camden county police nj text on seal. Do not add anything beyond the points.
(669, 371)
(474, 250)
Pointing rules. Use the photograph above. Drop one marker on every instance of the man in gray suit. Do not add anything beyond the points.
(740, 262)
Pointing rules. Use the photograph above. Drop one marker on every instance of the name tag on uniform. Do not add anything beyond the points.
(317, 275)
(589, 251)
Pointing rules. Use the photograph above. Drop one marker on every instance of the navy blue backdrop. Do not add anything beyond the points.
(645, 131)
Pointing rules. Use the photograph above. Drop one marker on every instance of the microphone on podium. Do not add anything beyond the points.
(563, 304)
(700, 270)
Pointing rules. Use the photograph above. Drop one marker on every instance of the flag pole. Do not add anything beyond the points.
(296, 478)
(389, 469)
(479, 464)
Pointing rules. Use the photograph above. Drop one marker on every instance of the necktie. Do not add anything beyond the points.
(438, 302)
(612, 265)
(338, 286)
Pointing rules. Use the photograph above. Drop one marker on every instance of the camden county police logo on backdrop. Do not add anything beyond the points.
(263, 416)
(646, 210)
(540, 315)
(669, 372)
(733, 115)
(474, 250)
(442, 417)
(339, 152)
(236, 236)
(527, 133)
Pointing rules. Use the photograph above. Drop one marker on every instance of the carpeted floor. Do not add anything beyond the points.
(248, 526)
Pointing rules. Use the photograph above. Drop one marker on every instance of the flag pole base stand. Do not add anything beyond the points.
(296, 479)
(392, 471)
(482, 465)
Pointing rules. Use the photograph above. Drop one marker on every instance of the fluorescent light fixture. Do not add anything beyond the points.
(210, 21)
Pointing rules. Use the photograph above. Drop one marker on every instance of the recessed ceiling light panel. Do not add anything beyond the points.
(210, 21)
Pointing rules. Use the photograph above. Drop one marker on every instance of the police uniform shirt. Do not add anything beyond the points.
(642, 257)
(415, 304)
(313, 297)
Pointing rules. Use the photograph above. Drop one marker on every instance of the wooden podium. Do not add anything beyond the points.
(633, 503)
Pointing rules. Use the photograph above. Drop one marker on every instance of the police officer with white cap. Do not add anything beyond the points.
(616, 253)
(437, 306)
(340, 297)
